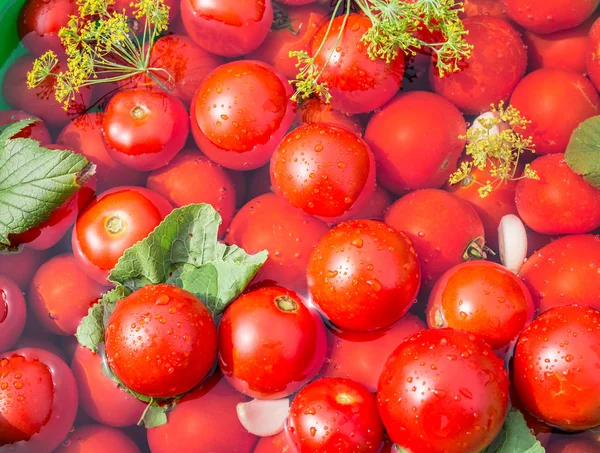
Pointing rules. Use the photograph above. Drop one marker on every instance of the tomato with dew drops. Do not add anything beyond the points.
(542, 16)
(40, 21)
(12, 313)
(316, 111)
(97, 439)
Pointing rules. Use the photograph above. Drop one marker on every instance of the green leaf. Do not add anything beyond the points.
(34, 181)
(154, 415)
(516, 437)
(583, 151)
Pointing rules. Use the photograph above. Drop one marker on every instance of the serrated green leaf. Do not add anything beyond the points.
(34, 181)
(583, 151)
(516, 437)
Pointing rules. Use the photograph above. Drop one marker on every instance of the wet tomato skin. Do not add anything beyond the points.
(12, 313)
(316, 111)
(97, 439)
(36, 131)
(332, 414)
(555, 367)
(592, 56)
(482, 298)
(425, 407)
(280, 443)
(39, 23)
(543, 17)
(270, 343)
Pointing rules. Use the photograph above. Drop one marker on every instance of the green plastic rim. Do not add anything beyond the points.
(10, 47)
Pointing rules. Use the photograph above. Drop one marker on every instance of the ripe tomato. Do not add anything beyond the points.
(441, 227)
(296, 2)
(39, 23)
(205, 420)
(120, 5)
(270, 343)
(360, 356)
(325, 170)
(259, 182)
(565, 272)
(230, 126)
(192, 178)
(592, 60)
(483, 298)
(176, 348)
(36, 131)
(38, 401)
(115, 221)
(21, 266)
(541, 97)
(443, 390)
(56, 278)
(97, 439)
(227, 27)
(497, 63)
(333, 414)
(411, 157)
(578, 443)
(269, 223)
(357, 83)
(483, 8)
(363, 275)
(541, 16)
(12, 313)
(555, 367)
(377, 206)
(316, 111)
(280, 443)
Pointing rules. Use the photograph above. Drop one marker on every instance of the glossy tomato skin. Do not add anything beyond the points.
(564, 272)
(555, 367)
(412, 157)
(482, 298)
(289, 235)
(573, 444)
(227, 27)
(173, 320)
(560, 202)
(497, 63)
(61, 294)
(97, 439)
(205, 421)
(280, 443)
(363, 275)
(270, 343)
(592, 60)
(39, 23)
(12, 313)
(325, 170)
(332, 414)
(357, 84)
(443, 390)
(316, 111)
(21, 266)
(115, 221)
(541, 98)
(41, 419)
(36, 131)
(440, 226)
(483, 8)
(543, 17)
(240, 133)
(360, 356)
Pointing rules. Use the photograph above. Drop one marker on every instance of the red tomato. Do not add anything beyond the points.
(497, 63)
(412, 157)
(483, 8)
(482, 298)
(280, 443)
(360, 356)
(39, 23)
(115, 221)
(192, 178)
(173, 5)
(270, 343)
(325, 170)
(542, 16)
(178, 342)
(270, 223)
(227, 27)
(21, 266)
(556, 101)
(316, 111)
(36, 131)
(441, 227)
(259, 182)
(230, 126)
(296, 2)
(592, 60)
(573, 444)
(12, 313)
(357, 83)
(38, 401)
(144, 129)
(206, 421)
(334, 415)
(560, 202)
(555, 368)
(99, 396)
(378, 204)
(84, 136)
(363, 275)
(61, 294)
(443, 390)
(565, 272)
(97, 439)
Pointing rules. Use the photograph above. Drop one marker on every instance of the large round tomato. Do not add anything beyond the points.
(443, 390)
(363, 275)
(230, 126)
(21, 266)
(39, 23)
(270, 343)
(413, 156)
(97, 439)
(592, 61)
(36, 131)
(317, 111)
(541, 16)
(12, 313)
(555, 367)
(333, 414)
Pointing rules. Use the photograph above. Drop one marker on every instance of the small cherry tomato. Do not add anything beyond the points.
(12, 313)
(333, 414)
(161, 341)
(228, 124)
(21, 266)
(97, 439)
(363, 275)
(555, 367)
(36, 131)
(316, 111)
(39, 23)
(542, 16)
(443, 390)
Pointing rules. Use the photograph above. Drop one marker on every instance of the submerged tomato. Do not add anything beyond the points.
(12, 313)
(39, 23)
(97, 439)
(21, 266)
(542, 16)
(316, 111)
(36, 131)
